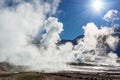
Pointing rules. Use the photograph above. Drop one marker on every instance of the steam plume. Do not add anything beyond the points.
(97, 45)
(43, 52)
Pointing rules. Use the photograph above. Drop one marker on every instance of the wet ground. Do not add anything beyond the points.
(78, 72)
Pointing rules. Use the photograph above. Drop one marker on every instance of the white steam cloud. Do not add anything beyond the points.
(28, 18)
(111, 16)
(97, 45)
(43, 52)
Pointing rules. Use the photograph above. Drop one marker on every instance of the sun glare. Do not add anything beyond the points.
(97, 5)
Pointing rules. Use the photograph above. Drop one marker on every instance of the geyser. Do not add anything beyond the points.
(42, 52)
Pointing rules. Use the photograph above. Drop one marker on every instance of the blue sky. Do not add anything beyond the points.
(77, 13)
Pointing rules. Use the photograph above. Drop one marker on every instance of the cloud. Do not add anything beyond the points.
(111, 15)
(20, 28)
(54, 6)
(29, 18)
(96, 45)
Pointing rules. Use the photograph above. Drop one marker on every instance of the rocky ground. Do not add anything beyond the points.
(59, 76)
(10, 72)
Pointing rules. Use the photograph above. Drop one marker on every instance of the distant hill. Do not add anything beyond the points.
(74, 41)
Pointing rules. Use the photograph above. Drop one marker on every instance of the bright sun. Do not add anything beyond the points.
(97, 5)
